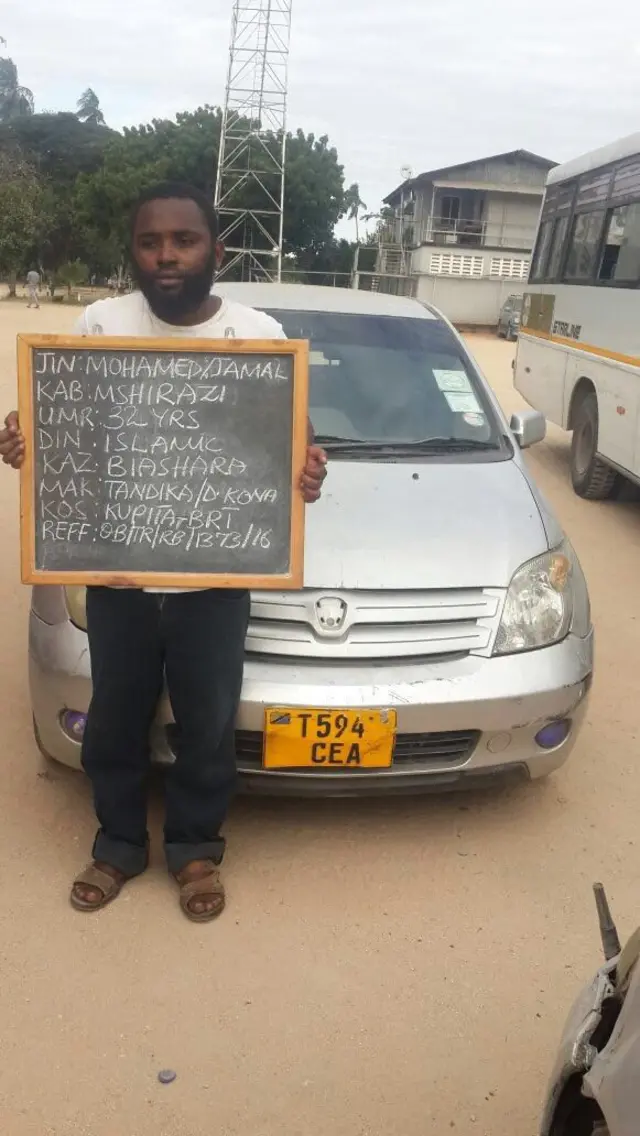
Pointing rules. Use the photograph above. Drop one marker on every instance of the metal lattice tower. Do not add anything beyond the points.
(251, 163)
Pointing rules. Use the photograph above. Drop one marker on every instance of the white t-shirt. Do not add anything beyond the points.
(131, 316)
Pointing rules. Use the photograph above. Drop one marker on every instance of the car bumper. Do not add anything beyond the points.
(463, 720)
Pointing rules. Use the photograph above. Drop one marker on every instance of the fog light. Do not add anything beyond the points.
(554, 734)
(73, 723)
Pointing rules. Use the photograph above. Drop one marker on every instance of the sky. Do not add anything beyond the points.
(403, 84)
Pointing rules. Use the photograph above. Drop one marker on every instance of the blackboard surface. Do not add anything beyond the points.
(154, 462)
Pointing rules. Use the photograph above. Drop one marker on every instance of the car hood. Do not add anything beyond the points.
(425, 525)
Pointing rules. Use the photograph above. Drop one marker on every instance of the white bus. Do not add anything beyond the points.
(578, 357)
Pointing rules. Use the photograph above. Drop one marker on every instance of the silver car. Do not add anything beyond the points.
(594, 1088)
(443, 636)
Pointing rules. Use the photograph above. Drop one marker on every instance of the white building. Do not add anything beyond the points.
(464, 234)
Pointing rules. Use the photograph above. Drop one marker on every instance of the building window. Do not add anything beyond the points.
(621, 253)
(583, 246)
(511, 268)
(450, 209)
(450, 264)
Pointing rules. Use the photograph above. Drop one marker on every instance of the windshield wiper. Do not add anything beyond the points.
(331, 441)
(421, 446)
(442, 445)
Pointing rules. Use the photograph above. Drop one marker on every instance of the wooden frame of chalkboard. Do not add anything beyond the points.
(280, 373)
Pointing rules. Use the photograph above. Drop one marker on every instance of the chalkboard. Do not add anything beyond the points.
(162, 463)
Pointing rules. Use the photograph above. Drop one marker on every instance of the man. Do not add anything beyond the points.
(33, 284)
(137, 637)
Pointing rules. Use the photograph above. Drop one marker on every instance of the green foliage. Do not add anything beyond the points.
(21, 206)
(72, 275)
(353, 204)
(15, 101)
(88, 176)
(89, 108)
(314, 192)
(59, 148)
(58, 145)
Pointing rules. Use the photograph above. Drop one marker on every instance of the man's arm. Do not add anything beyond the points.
(12, 443)
(315, 469)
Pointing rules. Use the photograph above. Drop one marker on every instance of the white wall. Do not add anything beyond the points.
(421, 258)
(472, 302)
(511, 219)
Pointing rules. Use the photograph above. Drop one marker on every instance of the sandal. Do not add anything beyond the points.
(207, 886)
(108, 886)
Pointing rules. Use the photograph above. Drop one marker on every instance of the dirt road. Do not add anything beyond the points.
(388, 969)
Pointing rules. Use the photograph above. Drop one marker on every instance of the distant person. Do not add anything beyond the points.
(33, 286)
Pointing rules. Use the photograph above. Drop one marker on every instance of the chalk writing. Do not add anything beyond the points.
(150, 461)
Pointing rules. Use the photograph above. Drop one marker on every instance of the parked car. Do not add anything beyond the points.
(444, 627)
(594, 1088)
(509, 318)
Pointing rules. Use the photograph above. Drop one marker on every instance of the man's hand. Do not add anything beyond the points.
(12, 441)
(313, 474)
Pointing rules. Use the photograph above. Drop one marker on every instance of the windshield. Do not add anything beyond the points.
(391, 380)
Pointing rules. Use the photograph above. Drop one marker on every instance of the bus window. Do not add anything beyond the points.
(578, 354)
(557, 245)
(542, 251)
(583, 246)
(621, 254)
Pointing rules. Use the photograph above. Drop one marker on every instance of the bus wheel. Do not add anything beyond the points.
(592, 478)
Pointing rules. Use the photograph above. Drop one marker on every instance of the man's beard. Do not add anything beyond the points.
(172, 307)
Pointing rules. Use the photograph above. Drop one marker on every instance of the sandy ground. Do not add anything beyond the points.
(395, 968)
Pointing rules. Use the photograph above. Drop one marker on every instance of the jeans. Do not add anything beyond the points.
(136, 639)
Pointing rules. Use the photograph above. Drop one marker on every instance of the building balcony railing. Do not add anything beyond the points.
(462, 234)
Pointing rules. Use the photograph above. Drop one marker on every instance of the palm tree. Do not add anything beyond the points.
(353, 203)
(15, 101)
(89, 108)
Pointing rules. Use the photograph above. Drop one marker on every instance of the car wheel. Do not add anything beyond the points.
(585, 1120)
(592, 478)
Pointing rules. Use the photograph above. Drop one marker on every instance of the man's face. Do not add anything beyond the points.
(174, 257)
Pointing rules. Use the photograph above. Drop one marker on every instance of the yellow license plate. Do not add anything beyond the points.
(328, 739)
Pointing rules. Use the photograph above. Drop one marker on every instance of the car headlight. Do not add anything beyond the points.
(76, 600)
(546, 599)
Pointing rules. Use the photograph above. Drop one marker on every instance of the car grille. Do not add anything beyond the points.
(411, 751)
(373, 625)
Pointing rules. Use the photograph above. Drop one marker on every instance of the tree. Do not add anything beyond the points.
(72, 275)
(353, 203)
(20, 213)
(89, 108)
(60, 148)
(15, 101)
(88, 177)
(314, 192)
(186, 150)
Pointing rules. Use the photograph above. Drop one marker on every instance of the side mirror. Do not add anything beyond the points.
(528, 427)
